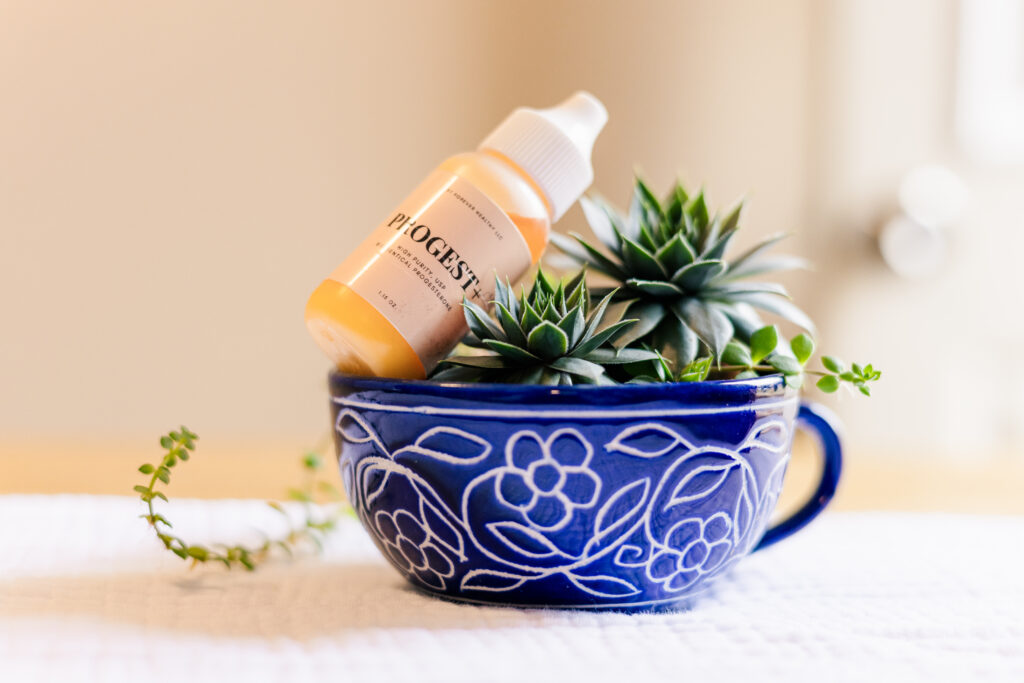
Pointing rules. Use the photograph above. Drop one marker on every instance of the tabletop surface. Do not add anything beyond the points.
(86, 593)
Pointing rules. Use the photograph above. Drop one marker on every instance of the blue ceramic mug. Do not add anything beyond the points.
(630, 497)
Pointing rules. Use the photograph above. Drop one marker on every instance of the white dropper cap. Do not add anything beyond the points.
(553, 146)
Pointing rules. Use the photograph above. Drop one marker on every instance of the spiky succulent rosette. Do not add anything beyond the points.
(668, 262)
(553, 335)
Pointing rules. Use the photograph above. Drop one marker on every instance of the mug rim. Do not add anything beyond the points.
(716, 391)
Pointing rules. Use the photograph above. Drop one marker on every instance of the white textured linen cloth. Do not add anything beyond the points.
(87, 594)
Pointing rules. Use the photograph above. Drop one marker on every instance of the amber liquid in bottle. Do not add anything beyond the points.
(359, 339)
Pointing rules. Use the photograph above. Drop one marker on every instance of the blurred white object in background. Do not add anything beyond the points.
(990, 87)
(931, 200)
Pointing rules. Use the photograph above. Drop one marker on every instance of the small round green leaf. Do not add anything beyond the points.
(763, 342)
(829, 384)
(832, 364)
(802, 346)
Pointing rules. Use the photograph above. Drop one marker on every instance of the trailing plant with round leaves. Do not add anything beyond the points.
(554, 335)
(767, 353)
(669, 263)
(316, 523)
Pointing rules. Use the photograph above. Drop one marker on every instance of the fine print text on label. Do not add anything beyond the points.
(445, 242)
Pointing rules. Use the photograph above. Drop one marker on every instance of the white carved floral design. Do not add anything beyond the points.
(662, 535)
(546, 479)
(411, 548)
(693, 547)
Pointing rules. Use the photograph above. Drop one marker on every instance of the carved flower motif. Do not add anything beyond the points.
(693, 548)
(547, 479)
(410, 545)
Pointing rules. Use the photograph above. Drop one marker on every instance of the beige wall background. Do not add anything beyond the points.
(175, 179)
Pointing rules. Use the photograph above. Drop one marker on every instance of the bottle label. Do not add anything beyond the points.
(446, 241)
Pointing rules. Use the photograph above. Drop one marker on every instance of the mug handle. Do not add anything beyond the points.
(823, 424)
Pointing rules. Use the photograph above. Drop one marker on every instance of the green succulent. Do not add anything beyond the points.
(553, 335)
(668, 260)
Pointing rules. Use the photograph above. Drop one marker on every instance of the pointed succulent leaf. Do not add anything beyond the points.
(676, 253)
(731, 222)
(503, 293)
(693, 277)
(597, 314)
(551, 377)
(674, 203)
(728, 289)
(644, 210)
(674, 333)
(530, 375)
(511, 351)
(647, 240)
(757, 250)
(780, 307)
(542, 290)
(573, 325)
(530, 317)
(641, 262)
(600, 222)
(710, 324)
(578, 298)
(480, 323)
(577, 248)
(489, 362)
(718, 243)
(551, 313)
(547, 341)
(655, 288)
(650, 202)
(513, 331)
(647, 315)
(697, 210)
(744, 318)
(621, 356)
(559, 299)
(760, 266)
(578, 366)
(578, 282)
(599, 338)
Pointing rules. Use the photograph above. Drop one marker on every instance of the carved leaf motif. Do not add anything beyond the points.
(771, 435)
(449, 445)
(649, 440)
(524, 540)
(700, 482)
(491, 580)
(604, 586)
(618, 511)
(745, 507)
(442, 530)
(352, 427)
(374, 479)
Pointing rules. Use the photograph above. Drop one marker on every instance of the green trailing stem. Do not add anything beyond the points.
(178, 447)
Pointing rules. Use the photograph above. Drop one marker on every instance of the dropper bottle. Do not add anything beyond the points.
(393, 308)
